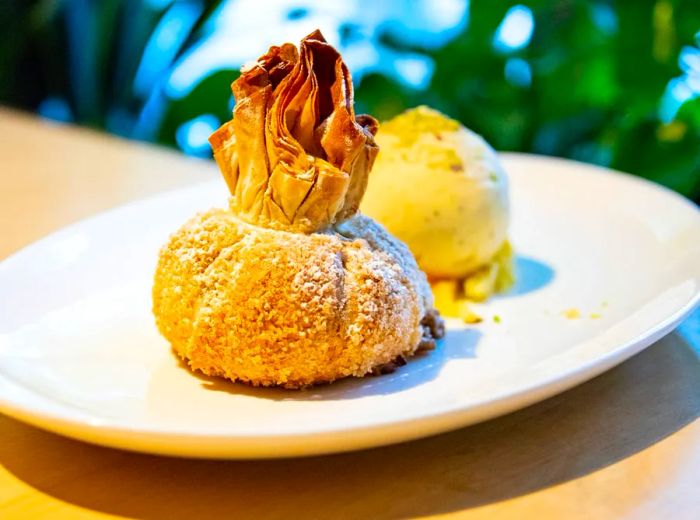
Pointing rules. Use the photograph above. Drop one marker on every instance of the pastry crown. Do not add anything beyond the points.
(295, 156)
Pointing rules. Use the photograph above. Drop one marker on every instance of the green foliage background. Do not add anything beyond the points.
(594, 94)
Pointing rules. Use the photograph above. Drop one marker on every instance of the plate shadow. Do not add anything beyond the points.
(601, 422)
(531, 275)
(424, 367)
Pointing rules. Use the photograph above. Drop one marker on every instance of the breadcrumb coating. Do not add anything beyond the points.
(270, 307)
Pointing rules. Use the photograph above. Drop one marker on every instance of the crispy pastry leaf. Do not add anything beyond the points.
(294, 155)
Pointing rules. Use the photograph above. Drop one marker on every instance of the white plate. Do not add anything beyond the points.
(80, 355)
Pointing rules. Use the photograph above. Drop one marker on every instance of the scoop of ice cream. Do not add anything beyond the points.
(439, 187)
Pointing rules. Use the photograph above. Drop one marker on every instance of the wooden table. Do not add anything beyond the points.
(624, 445)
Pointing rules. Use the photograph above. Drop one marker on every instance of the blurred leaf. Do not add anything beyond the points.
(587, 86)
(674, 163)
(206, 98)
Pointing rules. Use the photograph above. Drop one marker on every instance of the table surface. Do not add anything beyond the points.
(624, 445)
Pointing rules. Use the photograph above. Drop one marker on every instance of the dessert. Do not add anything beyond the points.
(289, 286)
(440, 188)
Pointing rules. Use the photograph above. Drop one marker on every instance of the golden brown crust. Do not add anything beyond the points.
(276, 308)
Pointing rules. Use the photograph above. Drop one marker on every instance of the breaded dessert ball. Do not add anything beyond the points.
(288, 286)
(269, 307)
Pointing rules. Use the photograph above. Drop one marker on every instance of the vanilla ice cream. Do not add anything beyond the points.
(440, 188)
